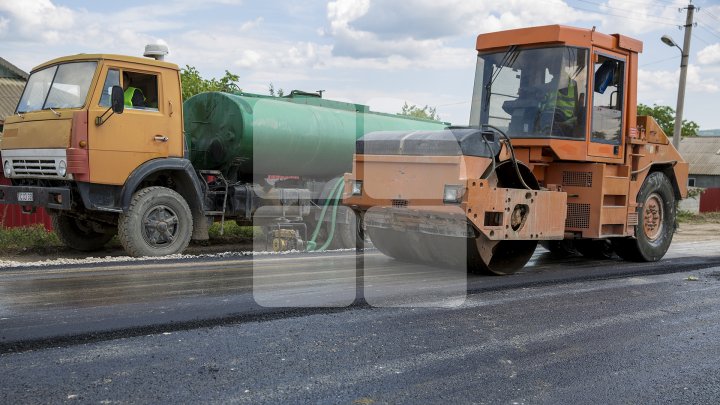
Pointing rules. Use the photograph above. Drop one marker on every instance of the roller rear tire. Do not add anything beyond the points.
(656, 222)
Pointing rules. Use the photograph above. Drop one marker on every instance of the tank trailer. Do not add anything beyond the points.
(106, 145)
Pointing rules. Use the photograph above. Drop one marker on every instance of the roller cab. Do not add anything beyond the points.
(559, 156)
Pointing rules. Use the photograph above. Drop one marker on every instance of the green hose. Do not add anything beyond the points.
(335, 194)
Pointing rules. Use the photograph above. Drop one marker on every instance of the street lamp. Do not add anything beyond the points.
(685, 53)
(667, 40)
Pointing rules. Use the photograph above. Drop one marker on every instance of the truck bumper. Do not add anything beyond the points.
(57, 198)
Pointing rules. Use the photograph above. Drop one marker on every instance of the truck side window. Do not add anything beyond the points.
(141, 90)
(608, 100)
(112, 79)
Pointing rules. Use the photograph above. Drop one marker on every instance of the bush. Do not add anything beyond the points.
(34, 236)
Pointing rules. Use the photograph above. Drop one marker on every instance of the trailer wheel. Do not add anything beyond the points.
(656, 222)
(157, 223)
(82, 235)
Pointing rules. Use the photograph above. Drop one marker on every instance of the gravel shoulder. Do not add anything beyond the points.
(686, 232)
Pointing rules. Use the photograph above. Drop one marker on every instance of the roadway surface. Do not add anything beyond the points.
(192, 330)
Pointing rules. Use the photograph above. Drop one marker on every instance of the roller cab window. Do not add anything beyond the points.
(533, 92)
(140, 89)
(607, 100)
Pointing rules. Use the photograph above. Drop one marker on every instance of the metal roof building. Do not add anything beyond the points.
(12, 81)
(703, 155)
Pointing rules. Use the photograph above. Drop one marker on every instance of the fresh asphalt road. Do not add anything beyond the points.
(561, 330)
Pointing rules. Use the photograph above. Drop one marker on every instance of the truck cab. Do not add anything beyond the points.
(66, 149)
(54, 134)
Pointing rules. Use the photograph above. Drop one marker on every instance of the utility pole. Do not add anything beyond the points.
(683, 75)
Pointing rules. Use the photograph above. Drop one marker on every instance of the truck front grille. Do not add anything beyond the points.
(34, 167)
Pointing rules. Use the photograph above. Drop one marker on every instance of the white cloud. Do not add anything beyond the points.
(4, 24)
(709, 55)
(662, 83)
(249, 25)
(249, 59)
(37, 17)
(399, 34)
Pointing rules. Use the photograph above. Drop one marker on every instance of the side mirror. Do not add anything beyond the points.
(117, 100)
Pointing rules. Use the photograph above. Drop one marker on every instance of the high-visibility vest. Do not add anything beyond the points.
(129, 93)
(563, 103)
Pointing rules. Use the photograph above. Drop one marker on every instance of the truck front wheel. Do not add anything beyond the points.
(80, 234)
(157, 223)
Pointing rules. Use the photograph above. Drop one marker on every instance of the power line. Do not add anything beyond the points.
(658, 61)
(698, 37)
(711, 14)
(628, 10)
(625, 17)
(709, 30)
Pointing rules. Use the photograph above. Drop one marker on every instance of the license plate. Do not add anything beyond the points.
(25, 196)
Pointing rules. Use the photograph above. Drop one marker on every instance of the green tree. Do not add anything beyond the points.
(427, 112)
(665, 117)
(193, 83)
(275, 92)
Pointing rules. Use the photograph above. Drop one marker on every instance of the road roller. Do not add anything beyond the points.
(554, 153)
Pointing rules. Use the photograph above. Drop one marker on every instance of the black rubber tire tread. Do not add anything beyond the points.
(130, 223)
(596, 249)
(73, 236)
(560, 248)
(640, 249)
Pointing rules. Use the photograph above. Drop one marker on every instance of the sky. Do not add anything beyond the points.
(382, 53)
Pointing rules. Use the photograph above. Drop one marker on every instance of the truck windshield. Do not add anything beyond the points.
(59, 86)
(538, 92)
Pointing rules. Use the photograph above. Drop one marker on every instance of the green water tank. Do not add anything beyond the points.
(300, 135)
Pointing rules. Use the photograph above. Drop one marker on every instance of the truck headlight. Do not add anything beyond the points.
(453, 193)
(62, 168)
(357, 187)
(7, 168)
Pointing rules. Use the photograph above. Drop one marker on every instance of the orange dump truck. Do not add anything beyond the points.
(555, 153)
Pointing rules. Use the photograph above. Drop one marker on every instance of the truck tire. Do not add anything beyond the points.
(79, 234)
(157, 223)
(349, 236)
(656, 222)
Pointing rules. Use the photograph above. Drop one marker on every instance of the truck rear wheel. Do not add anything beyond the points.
(158, 223)
(656, 222)
(79, 234)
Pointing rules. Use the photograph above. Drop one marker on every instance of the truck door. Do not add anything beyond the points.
(608, 106)
(141, 133)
